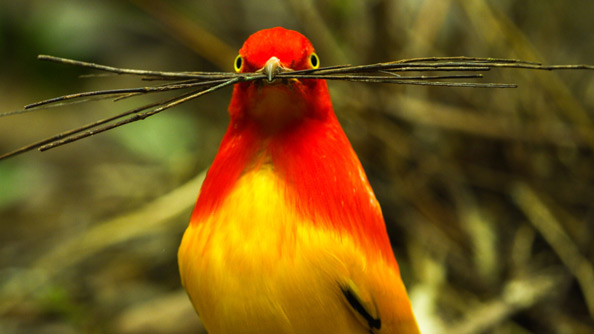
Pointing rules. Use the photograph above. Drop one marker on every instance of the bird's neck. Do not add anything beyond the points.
(321, 176)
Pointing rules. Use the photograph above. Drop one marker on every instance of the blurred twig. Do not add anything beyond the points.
(313, 22)
(552, 230)
(423, 35)
(500, 126)
(146, 220)
(189, 33)
(516, 295)
(494, 24)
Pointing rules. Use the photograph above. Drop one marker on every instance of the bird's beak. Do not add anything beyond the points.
(272, 68)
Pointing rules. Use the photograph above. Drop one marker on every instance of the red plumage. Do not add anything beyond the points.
(329, 231)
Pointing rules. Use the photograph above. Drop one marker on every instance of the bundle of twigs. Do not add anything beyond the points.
(196, 84)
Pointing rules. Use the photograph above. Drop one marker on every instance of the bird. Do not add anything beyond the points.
(287, 235)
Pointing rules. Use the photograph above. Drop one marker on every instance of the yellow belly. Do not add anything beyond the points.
(256, 266)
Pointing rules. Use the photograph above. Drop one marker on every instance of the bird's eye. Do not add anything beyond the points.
(314, 61)
(238, 63)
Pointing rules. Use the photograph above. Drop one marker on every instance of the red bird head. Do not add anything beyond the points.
(292, 50)
(274, 104)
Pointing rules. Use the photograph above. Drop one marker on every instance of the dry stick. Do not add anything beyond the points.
(215, 78)
(85, 127)
(390, 77)
(56, 104)
(397, 67)
(436, 68)
(438, 64)
(161, 75)
(222, 79)
(468, 64)
(443, 66)
(416, 80)
(467, 58)
(117, 70)
(123, 92)
(138, 116)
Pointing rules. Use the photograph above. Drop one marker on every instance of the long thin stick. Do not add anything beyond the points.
(124, 92)
(138, 116)
(117, 70)
(84, 127)
(386, 72)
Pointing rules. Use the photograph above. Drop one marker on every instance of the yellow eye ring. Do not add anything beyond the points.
(238, 63)
(314, 61)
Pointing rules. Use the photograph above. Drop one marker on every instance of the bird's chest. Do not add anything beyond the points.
(254, 229)
(256, 265)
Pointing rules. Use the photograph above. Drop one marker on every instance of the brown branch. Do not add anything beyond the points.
(387, 72)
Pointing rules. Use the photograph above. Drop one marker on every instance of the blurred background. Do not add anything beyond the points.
(487, 193)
